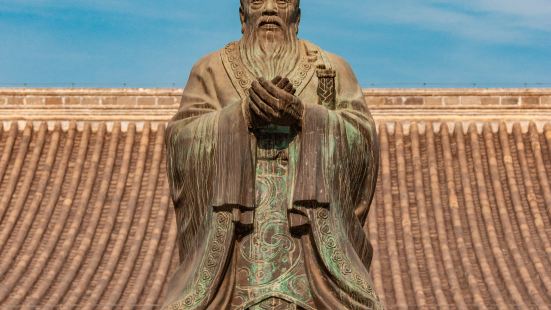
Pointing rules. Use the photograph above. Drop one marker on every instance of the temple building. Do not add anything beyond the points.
(461, 216)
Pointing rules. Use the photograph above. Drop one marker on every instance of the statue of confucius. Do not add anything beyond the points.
(272, 163)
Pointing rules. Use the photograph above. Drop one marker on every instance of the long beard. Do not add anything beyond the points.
(271, 56)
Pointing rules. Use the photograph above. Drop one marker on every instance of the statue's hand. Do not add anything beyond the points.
(284, 84)
(275, 103)
(265, 110)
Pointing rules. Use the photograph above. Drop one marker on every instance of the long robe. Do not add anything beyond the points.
(333, 164)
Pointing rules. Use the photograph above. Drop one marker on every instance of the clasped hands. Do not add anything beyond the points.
(273, 102)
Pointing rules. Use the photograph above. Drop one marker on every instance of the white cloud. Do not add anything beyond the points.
(164, 10)
(487, 20)
(534, 14)
(502, 21)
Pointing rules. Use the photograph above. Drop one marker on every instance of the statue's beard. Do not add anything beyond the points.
(271, 55)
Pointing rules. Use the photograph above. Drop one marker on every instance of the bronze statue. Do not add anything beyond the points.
(272, 162)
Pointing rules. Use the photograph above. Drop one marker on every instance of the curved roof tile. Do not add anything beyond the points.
(461, 215)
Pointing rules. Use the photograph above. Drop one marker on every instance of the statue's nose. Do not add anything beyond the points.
(270, 8)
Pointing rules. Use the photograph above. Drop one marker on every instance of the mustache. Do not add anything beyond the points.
(269, 20)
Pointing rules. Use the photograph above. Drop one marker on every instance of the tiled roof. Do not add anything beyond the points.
(462, 217)
(85, 217)
(462, 213)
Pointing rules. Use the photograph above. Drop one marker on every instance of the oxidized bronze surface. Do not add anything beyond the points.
(272, 160)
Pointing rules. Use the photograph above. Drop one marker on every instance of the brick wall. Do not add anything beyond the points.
(169, 98)
(158, 105)
(109, 98)
(514, 98)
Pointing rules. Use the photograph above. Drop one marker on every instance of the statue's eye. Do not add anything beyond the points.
(283, 3)
(257, 2)
(280, 3)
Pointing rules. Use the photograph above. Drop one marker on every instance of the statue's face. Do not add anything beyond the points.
(270, 18)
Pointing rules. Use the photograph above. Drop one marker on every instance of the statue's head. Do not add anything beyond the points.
(269, 46)
(270, 18)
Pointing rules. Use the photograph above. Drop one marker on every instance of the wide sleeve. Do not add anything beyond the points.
(353, 124)
(338, 159)
(339, 150)
(209, 161)
(208, 143)
(191, 137)
(209, 168)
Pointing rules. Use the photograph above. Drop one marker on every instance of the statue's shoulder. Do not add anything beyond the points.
(209, 63)
(330, 59)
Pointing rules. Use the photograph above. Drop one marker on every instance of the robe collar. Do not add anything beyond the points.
(242, 79)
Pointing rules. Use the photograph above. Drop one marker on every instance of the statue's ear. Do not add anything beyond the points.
(298, 19)
(242, 18)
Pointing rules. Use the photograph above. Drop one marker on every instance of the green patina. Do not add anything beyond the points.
(270, 260)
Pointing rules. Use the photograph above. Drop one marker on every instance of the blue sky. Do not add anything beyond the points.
(112, 43)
